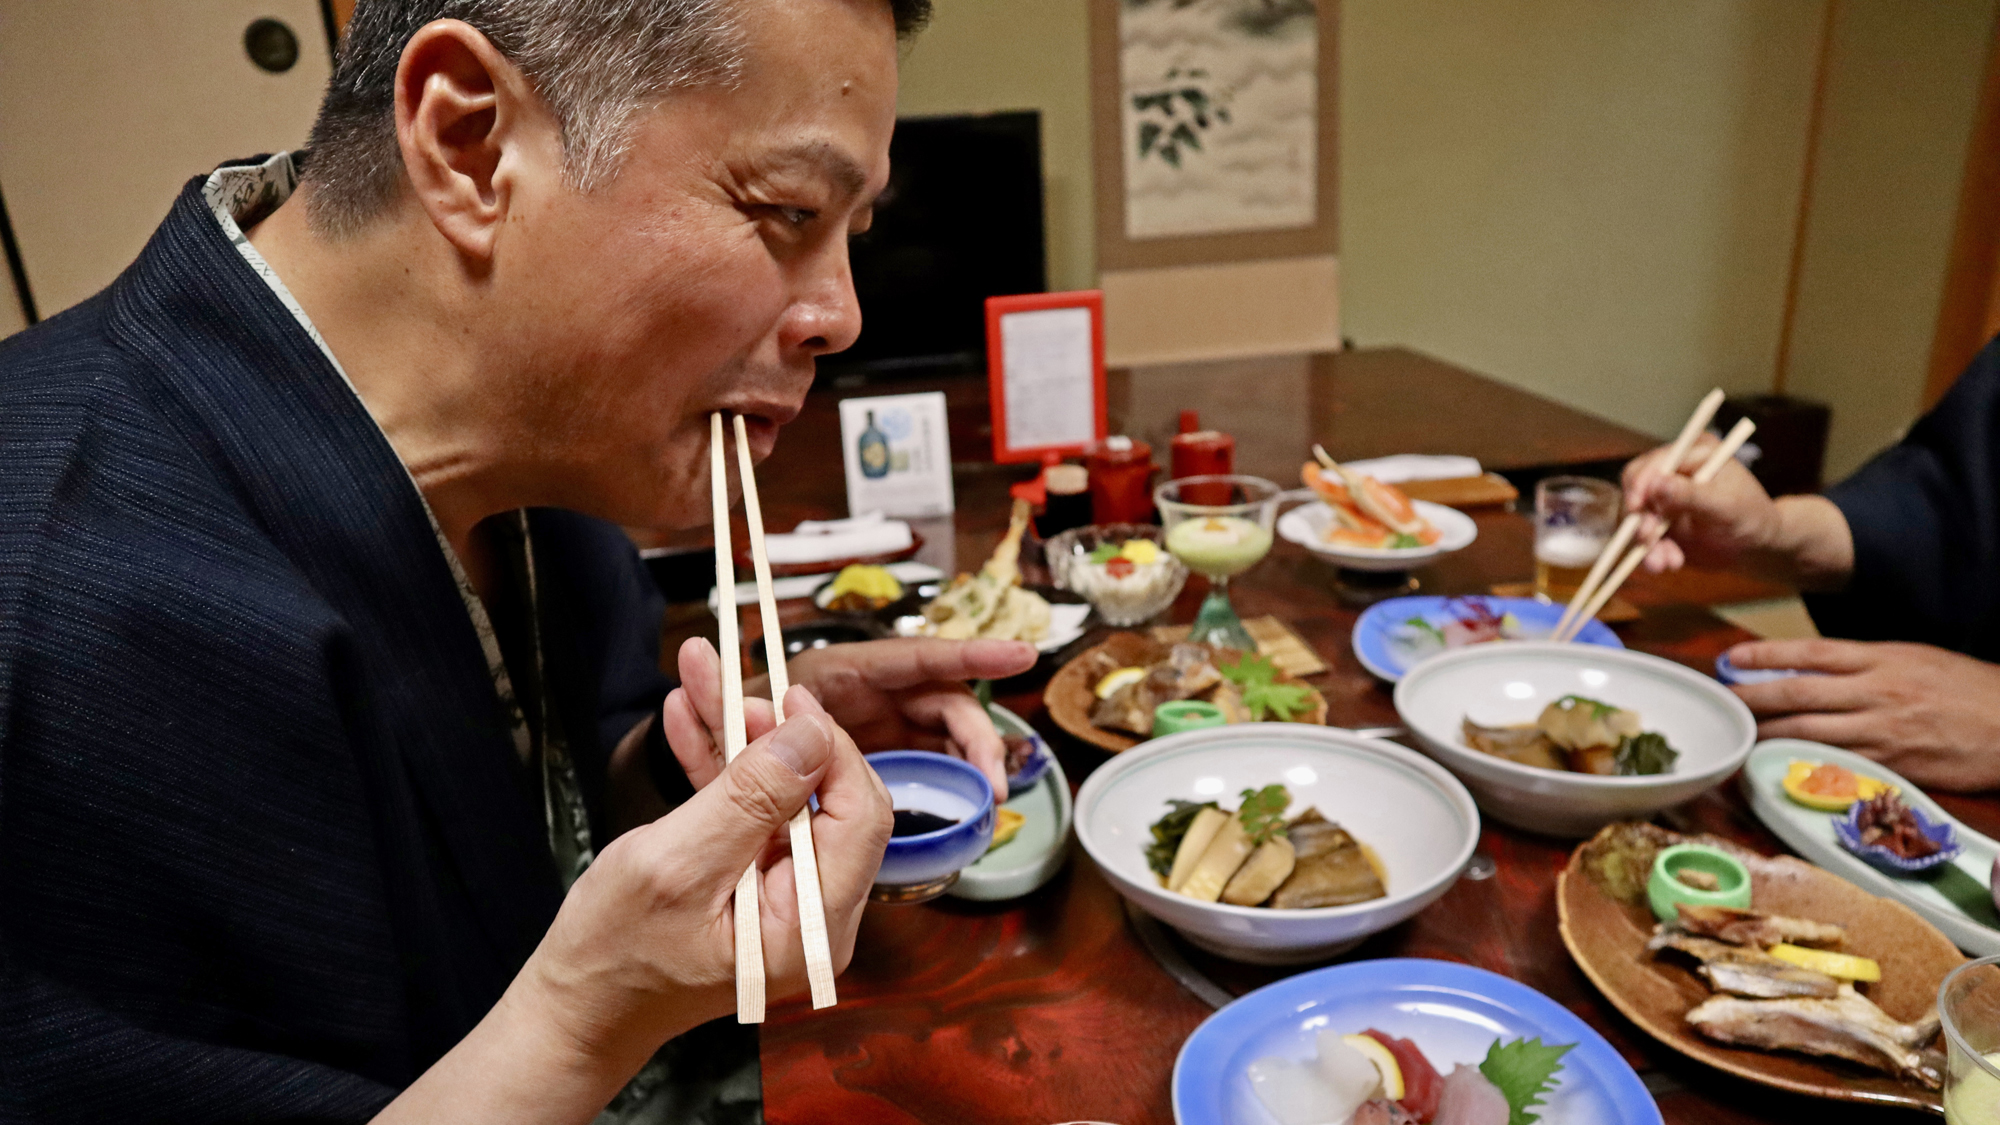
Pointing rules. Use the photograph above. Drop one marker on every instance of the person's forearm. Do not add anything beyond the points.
(1811, 549)
(517, 1067)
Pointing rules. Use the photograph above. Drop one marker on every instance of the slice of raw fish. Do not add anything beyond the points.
(1748, 927)
(1849, 1026)
(1329, 868)
(1469, 1099)
(1382, 1111)
(1323, 1091)
(1350, 1074)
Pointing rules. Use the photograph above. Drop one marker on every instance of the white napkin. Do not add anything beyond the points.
(908, 573)
(821, 540)
(1415, 466)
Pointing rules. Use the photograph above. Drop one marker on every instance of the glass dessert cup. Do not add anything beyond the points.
(1969, 1007)
(1225, 534)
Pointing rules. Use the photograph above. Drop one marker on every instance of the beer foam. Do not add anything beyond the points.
(1568, 547)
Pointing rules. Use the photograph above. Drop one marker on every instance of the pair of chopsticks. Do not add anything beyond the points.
(735, 735)
(1591, 596)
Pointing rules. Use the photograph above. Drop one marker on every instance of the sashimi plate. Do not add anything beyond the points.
(1388, 644)
(1452, 1012)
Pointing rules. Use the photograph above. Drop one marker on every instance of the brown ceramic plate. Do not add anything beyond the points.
(1607, 938)
(1071, 695)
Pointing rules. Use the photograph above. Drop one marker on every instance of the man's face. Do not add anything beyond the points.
(710, 272)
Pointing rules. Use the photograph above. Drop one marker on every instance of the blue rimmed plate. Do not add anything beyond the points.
(1388, 645)
(1847, 829)
(1452, 1012)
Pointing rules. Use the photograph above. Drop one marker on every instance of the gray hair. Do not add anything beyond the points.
(595, 62)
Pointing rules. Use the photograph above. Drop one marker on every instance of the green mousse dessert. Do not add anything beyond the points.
(1219, 546)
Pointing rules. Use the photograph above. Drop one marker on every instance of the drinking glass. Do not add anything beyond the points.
(1220, 539)
(1969, 1007)
(1574, 519)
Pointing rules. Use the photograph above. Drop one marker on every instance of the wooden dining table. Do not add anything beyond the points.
(1051, 1007)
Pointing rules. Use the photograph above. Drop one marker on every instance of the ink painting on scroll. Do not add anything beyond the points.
(1220, 115)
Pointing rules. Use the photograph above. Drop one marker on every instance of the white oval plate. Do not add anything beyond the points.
(1306, 525)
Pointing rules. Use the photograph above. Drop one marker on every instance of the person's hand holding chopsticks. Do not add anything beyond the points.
(643, 948)
(1731, 523)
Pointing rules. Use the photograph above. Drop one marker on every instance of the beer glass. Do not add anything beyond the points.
(1574, 519)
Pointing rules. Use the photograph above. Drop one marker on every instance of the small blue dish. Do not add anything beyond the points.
(920, 867)
(1847, 829)
(1730, 674)
(1382, 644)
(1040, 757)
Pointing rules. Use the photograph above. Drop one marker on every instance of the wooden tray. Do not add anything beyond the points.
(1070, 695)
(1607, 938)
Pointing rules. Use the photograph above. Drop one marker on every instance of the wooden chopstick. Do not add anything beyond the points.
(1696, 423)
(1717, 458)
(735, 733)
(805, 861)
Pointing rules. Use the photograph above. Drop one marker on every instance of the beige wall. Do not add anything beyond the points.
(983, 55)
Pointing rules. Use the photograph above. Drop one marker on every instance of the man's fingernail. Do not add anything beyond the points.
(799, 742)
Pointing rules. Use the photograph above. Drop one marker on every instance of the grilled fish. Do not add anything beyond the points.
(1743, 970)
(1330, 868)
(1748, 927)
(1848, 1026)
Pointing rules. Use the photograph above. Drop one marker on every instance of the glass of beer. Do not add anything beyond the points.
(1574, 519)
(1969, 1007)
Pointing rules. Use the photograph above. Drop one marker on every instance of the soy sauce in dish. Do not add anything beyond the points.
(915, 822)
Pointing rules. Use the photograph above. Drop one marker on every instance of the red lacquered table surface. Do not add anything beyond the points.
(1049, 1008)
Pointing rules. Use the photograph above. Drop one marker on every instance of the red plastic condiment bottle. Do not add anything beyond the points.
(1121, 480)
(1198, 452)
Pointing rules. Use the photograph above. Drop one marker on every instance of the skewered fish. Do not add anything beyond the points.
(1848, 1026)
(1748, 927)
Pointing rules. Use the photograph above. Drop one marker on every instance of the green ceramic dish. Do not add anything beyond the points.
(1185, 714)
(1664, 891)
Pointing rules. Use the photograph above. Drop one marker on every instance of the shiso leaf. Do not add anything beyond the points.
(1523, 1070)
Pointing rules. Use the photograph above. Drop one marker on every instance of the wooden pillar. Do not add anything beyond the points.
(1969, 313)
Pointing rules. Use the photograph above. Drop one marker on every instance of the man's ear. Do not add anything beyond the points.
(470, 127)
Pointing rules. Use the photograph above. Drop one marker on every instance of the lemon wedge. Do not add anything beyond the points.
(1372, 1049)
(1795, 781)
(1118, 679)
(1006, 823)
(1840, 966)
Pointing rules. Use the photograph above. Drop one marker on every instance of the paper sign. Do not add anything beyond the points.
(898, 455)
(1045, 362)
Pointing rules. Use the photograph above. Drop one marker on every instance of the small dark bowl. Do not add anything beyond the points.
(815, 634)
(1848, 832)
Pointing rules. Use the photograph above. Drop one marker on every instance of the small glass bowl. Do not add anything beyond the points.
(1120, 602)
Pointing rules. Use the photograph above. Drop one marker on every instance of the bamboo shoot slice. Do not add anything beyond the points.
(1219, 861)
(1268, 867)
(1200, 834)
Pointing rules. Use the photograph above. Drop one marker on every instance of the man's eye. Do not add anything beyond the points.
(797, 216)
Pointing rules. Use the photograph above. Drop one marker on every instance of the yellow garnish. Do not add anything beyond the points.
(1840, 966)
(1006, 822)
(1118, 679)
(1385, 1062)
(1816, 786)
(868, 581)
(1140, 551)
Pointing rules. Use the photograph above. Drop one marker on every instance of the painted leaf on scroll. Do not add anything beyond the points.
(1220, 115)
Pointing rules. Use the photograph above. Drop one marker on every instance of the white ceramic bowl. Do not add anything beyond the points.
(1420, 822)
(1511, 683)
(1306, 524)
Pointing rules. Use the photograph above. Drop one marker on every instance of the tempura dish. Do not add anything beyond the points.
(1371, 833)
(1630, 734)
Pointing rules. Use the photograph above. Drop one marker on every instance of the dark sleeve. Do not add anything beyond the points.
(1925, 515)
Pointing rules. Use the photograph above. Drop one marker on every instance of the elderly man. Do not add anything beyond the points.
(1903, 558)
(334, 772)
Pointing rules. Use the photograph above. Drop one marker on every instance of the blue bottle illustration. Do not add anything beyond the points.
(873, 445)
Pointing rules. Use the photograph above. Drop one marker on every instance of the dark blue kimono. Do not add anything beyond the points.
(1926, 521)
(266, 849)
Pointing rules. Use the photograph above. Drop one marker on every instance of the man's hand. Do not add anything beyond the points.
(905, 694)
(1731, 523)
(1929, 714)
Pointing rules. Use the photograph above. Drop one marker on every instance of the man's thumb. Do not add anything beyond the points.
(758, 792)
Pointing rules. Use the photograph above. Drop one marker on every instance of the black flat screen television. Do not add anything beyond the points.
(960, 222)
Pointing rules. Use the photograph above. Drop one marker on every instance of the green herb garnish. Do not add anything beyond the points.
(1168, 832)
(1599, 709)
(1643, 754)
(1263, 813)
(1422, 625)
(1256, 677)
(1403, 542)
(1523, 1071)
(1103, 553)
